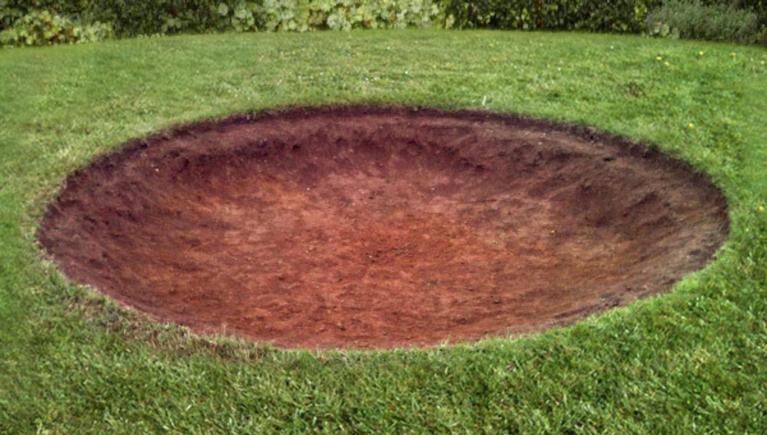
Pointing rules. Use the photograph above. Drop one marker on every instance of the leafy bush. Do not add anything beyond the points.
(692, 19)
(761, 37)
(759, 7)
(44, 28)
(303, 15)
(599, 16)
(594, 15)
(146, 17)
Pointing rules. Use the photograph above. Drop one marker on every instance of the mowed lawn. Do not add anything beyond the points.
(692, 360)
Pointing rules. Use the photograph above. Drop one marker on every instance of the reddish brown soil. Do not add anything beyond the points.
(381, 227)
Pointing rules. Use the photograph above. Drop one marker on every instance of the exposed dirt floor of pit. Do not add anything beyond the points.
(379, 227)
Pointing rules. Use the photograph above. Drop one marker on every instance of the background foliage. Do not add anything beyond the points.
(147, 17)
(694, 20)
(730, 20)
(38, 22)
(41, 27)
(594, 15)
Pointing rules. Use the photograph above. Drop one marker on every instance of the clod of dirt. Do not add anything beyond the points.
(381, 227)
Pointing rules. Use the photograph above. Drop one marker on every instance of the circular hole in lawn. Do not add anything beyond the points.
(381, 227)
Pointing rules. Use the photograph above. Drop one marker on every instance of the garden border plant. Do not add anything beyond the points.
(21, 21)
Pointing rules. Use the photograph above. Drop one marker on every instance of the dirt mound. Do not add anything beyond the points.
(380, 227)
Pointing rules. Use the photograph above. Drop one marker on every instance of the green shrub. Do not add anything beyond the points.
(303, 15)
(694, 20)
(45, 28)
(593, 15)
(146, 17)
(759, 7)
(761, 37)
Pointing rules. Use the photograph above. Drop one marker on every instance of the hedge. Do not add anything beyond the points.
(147, 17)
(96, 18)
(693, 19)
(592, 15)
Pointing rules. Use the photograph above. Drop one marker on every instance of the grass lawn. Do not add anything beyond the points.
(693, 360)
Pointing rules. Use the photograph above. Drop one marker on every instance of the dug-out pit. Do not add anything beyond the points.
(381, 227)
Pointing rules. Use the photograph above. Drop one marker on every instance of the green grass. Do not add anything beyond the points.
(692, 360)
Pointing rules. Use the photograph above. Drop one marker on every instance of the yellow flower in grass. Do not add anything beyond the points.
(690, 125)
